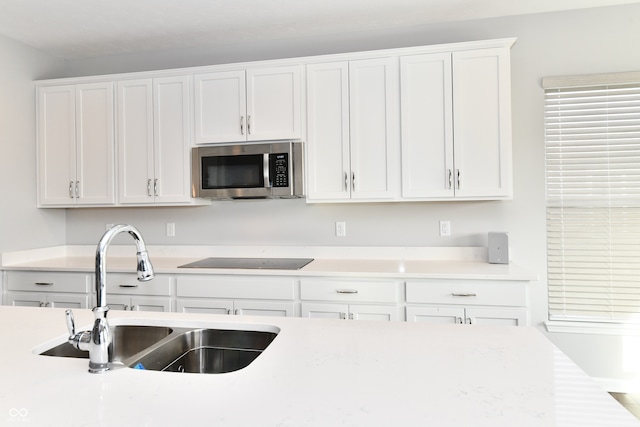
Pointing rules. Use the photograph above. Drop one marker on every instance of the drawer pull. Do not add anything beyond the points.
(126, 285)
(347, 291)
(464, 294)
(44, 283)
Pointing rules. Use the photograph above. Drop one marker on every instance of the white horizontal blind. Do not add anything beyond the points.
(593, 202)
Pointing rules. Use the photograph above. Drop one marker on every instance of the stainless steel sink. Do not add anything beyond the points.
(208, 351)
(128, 340)
(194, 350)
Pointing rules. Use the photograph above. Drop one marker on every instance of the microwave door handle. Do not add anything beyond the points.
(265, 170)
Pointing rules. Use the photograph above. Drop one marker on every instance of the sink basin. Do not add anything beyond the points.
(194, 350)
(128, 340)
(208, 351)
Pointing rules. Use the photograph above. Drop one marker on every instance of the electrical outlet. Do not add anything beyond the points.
(171, 229)
(445, 228)
(341, 228)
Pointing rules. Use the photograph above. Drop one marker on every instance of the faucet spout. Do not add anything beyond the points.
(99, 341)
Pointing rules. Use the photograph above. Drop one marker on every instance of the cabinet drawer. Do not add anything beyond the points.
(349, 290)
(463, 292)
(128, 284)
(46, 281)
(236, 287)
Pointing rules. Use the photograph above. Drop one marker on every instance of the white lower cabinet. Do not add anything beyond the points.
(468, 316)
(237, 295)
(125, 292)
(48, 289)
(350, 299)
(350, 311)
(467, 302)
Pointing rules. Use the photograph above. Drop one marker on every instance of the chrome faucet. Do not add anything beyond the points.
(99, 342)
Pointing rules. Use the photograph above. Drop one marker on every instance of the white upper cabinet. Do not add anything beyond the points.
(153, 141)
(482, 123)
(456, 125)
(76, 145)
(253, 105)
(352, 140)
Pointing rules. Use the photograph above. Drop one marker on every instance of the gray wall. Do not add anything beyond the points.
(577, 42)
(22, 226)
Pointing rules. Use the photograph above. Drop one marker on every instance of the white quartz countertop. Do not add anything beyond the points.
(315, 373)
(444, 263)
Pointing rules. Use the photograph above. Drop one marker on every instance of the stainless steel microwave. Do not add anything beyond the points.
(247, 170)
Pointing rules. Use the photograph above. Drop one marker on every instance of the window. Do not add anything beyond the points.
(592, 133)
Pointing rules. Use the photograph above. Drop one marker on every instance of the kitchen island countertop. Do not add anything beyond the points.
(315, 373)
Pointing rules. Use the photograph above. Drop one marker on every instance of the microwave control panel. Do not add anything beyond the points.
(279, 169)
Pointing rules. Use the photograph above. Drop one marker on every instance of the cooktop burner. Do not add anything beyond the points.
(250, 263)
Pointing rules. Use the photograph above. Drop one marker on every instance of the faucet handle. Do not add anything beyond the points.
(71, 325)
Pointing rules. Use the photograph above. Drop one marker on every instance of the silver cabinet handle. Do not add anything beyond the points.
(155, 187)
(149, 187)
(126, 307)
(353, 181)
(450, 178)
(241, 125)
(346, 181)
(236, 311)
(351, 316)
(71, 189)
(459, 178)
(469, 322)
(228, 311)
(248, 125)
(459, 320)
(343, 316)
(77, 189)
(44, 283)
(464, 294)
(128, 285)
(347, 291)
(42, 304)
(134, 308)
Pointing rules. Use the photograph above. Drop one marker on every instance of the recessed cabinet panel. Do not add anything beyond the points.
(125, 283)
(48, 281)
(349, 291)
(427, 126)
(220, 100)
(236, 287)
(328, 131)
(467, 292)
(482, 122)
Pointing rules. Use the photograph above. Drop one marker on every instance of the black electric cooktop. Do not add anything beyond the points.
(250, 263)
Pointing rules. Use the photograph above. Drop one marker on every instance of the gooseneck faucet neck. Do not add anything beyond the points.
(145, 270)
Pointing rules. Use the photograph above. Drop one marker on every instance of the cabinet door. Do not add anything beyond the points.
(325, 311)
(151, 304)
(328, 131)
(26, 299)
(264, 308)
(95, 150)
(274, 103)
(373, 97)
(207, 306)
(373, 312)
(496, 316)
(436, 314)
(67, 301)
(172, 172)
(427, 126)
(482, 123)
(56, 145)
(220, 107)
(135, 141)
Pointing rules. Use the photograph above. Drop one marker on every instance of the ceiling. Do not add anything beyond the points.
(73, 29)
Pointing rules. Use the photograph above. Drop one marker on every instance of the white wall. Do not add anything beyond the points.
(577, 42)
(22, 226)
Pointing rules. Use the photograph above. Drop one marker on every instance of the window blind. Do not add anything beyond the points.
(592, 147)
